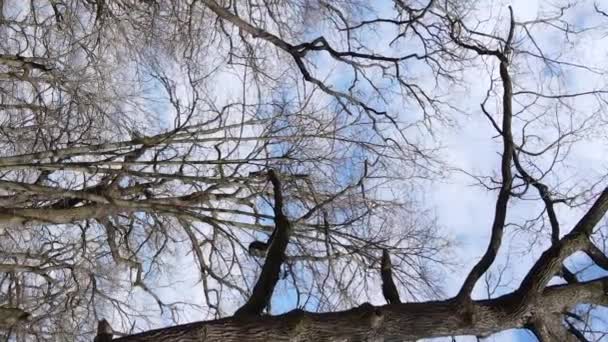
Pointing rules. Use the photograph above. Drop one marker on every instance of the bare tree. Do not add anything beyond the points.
(123, 150)
(101, 191)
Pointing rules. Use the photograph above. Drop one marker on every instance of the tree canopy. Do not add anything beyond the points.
(223, 170)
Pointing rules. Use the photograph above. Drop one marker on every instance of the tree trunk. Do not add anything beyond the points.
(393, 322)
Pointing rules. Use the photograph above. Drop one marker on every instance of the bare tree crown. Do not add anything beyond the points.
(272, 152)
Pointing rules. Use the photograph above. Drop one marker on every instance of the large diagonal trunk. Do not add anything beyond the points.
(393, 322)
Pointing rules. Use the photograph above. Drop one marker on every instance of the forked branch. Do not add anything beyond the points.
(262, 291)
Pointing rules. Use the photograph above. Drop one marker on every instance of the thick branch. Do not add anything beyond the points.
(104, 332)
(568, 275)
(580, 337)
(11, 316)
(392, 322)
(598, 257)
(22, 216)
(550, 329)
(500, 212)
(24, 62)
(551, 260)
(262, 291)
(389, 290)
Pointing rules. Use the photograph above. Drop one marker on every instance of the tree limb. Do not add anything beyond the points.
(10, 316)
(389, 290)
(392, 322)
(505, 190)
(551, 260)
(262, 291)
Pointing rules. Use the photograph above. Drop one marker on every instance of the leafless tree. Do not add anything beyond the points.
(119, 160)
(125, 150)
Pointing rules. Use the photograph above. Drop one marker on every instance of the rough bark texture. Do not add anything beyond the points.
(392, 322)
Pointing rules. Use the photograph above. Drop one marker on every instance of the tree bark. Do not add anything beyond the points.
(389, 289)
(269, 276)
(392, 322)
